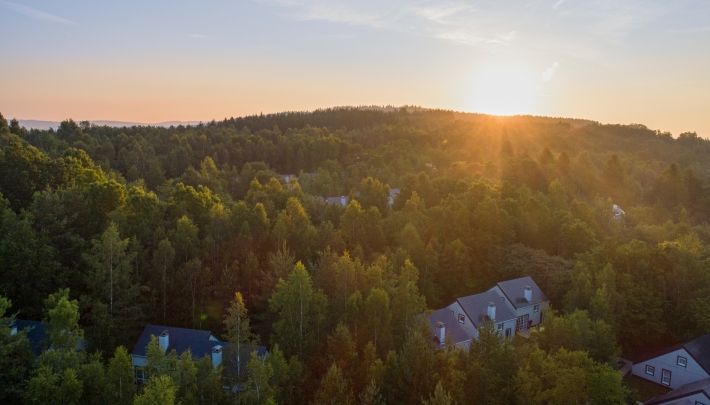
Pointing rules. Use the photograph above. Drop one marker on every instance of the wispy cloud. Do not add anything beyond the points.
(549, 72)
(558, 3)
(34, 13)
(455, 21)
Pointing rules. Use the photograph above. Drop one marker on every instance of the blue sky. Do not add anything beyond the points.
(613, 61)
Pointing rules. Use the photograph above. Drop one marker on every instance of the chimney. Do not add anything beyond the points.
(528, 293)
(164, 340)
(442, 331)
(13, 329)
(492, 311)
(216, 356)
(344, 201)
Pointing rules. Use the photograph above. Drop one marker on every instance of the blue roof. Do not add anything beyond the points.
(180, 339)
(35, 334)
(199, 342)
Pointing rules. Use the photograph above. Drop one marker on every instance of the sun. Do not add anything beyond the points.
(503, 89)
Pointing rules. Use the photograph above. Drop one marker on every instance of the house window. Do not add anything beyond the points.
(536, 308)
(650, 370)
(138, 374)
(500, 326)
(682, 361)
(462, 319)
(699, 403)
(666, 377)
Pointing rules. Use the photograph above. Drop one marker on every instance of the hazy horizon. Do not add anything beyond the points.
(630, 62)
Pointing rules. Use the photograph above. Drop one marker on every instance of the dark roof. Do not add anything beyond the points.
(36, 334)
(453, 327)
(698, 349)
(197, 341)
(515, 291)
(697, 387)
(476, 307)
(180, 339)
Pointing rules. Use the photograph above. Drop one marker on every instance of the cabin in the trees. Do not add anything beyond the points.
(678, 365)
(695, 393)
(201, 343)
(342, 200)
(511, 306)
(394, 192)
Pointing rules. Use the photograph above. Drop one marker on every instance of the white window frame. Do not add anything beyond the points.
(682, 361)
(536, 308)
(500, 326)
(462, 318)
(651, 369)
(663, 377)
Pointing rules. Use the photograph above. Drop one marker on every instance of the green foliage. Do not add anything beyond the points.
(301, 311)
(164, 225)
(158, 391)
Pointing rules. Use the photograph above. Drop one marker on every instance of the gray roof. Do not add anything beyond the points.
(697, 387)
(476, 307)
(698, 349)
(453, 327)
(338, 200)
(515, 290)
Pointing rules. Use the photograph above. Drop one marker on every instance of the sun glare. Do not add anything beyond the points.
(503, 90)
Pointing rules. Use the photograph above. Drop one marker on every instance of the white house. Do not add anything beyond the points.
(677, 365)
(512, 306)
(695, 393)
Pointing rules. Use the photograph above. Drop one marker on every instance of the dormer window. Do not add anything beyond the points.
(462, 319)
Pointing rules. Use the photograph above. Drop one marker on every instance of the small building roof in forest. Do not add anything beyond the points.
(35, 334)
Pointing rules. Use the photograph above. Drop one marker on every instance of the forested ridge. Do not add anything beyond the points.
(105, 229)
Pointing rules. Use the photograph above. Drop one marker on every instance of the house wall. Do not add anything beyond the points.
(530, 311)
(139, 361)
(508, 325)
(679, 375)
(467, 325)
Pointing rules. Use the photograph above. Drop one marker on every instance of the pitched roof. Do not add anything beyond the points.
(199, 342)
(453, 327)
(514, 290)
(697, 387)
(698, 349)
(36, 334)
(338, 200)
(476, 307)
(179, 339)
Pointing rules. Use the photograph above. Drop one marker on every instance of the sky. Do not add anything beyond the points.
(635, 61)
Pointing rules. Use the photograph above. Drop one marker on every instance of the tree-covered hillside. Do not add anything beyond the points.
(164, 225)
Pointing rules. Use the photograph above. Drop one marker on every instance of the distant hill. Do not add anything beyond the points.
(45, 125)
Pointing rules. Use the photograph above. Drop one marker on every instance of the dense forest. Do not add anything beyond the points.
(105, 229)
